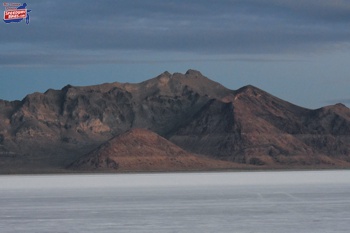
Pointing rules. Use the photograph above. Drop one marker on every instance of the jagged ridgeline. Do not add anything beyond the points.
(214, 127)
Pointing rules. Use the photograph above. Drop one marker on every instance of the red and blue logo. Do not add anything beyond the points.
(16, 12)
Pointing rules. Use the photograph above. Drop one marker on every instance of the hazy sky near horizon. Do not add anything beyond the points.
(298, 50)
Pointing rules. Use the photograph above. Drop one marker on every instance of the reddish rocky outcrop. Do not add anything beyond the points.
(143, 150)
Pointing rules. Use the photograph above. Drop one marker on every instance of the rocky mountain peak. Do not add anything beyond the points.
(250, 90)
(194, 73)
(188, 111)
(165, 74)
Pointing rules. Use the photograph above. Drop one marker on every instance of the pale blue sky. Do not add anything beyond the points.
(297, 50)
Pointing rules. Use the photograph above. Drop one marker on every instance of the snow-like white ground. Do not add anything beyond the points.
(301, 201)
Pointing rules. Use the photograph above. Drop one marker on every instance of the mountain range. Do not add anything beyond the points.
(173, 122)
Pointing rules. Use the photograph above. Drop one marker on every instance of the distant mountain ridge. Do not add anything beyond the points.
(247, 126)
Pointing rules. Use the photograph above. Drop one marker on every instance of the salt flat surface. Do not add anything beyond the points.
(302, 201)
